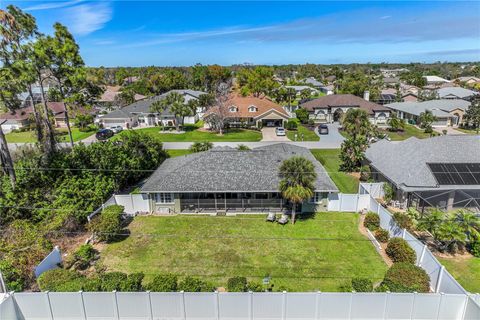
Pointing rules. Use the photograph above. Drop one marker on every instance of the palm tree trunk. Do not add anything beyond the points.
(67, 121)
(49, 134)
(294, 212)
(177, 126)
(6, 159)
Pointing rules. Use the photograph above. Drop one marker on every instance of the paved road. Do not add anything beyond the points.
(331, 141)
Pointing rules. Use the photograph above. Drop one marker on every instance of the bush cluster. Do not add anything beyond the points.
(405, 277)
(399, 251)
(163, 283)
(475, 248)
(403, 221)
(192, 284)
(362, 285)
(382, 235)
(237, 284)
(372, 221)
(291, 125)
(107, 225)
(81, 258)
(201, 146)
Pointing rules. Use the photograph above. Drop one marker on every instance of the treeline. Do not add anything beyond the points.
(52, 198)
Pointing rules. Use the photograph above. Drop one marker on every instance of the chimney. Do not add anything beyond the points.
(366, 95)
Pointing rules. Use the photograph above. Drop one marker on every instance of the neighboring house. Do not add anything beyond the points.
(441, 172)
(26, 100)
(387, 73)
(387, 96)
(139, 114)
(313, 82)
(468, 80)
(391, 81)
(435, 80)
(407, 88)
(226, 180)
(328, 90)
(331, 79)
(109, 97)
(409, 97)
(456, 93)
(130, 80)
(331, 108)
(299, 89)
(251, 112)
(447, 112)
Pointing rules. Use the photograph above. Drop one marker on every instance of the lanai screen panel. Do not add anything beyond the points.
(456, 173)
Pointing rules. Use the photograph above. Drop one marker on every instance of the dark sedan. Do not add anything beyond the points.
(323, 129)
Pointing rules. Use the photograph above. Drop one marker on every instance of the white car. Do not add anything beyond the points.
(280, 131)
(116, 129)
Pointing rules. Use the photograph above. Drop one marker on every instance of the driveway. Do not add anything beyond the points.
(450, 130)
(333, 137)
(268, 134)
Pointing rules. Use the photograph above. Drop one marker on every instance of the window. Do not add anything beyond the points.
(233, 109)
(318, 197)
(163, 197)
(252, 109)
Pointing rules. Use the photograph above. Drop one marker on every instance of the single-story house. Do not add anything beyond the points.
(456, 93)
(468, 80)
(328, 90)
(299, 89)
(331, 108)
(435, 80)
(226, 180)
(391, 81)
(447, 112)
(442, 171)
(313, 82)
(250, 112)
(409, 97)
(139, 114)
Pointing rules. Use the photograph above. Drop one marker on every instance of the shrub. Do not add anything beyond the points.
(475, 248)
(362, 285)
(163, 283)
(12, 276)
(237, 284)
(134, 282)
(191, 284)
(113, 281)
(382, 235)
(242, 147)
(372, 221)
(365, 173)
(291, 125)
(254, 287)
(403, 221)
(82, 257)
(201, 146)
(399, 251)
(107, 225)
(302, 115)
(405, 277)
(60, 280)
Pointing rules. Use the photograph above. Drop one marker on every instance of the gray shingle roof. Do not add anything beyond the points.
(405, 162)
(439, 108)
(459, 92)
(230, 170)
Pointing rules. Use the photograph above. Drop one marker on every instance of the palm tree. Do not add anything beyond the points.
(431, 221)
(176, 103)
(395, 122)
(297, 181)
(426, 120)
(469, 223)
(305, 94)
(451, 235)
(356, 123)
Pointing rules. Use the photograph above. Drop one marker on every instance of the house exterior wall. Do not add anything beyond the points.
(123, 122)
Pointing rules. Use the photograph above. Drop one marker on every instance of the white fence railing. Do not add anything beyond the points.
(244, 305)
(51, 261)
(348, 202)
(133, 203)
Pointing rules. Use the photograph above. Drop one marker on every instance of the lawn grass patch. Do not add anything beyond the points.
(217, 248)
(466, 270)
(409, 131)
(193, 134)
(308, 135)
(178, 152)
(468, 131)
(330, 160)
(29, 136)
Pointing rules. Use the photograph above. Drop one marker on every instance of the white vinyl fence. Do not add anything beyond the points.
(373, 189)
(230, 306)
(133, 203)
(51, 261)
(348, 202)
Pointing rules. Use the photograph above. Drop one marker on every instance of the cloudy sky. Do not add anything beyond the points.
(137, 33)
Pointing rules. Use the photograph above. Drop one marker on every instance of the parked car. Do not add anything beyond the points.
(104, 134)
(323, 129)
(116, 129)
(280, 131)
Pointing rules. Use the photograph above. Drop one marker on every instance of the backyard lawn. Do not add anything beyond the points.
(330, 160)
(409, 131)
(313, 254)
(308, 135)
(192, 134)
(466, 270)
(29, 136)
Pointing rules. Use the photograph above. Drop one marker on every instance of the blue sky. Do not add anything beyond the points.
(139, 33)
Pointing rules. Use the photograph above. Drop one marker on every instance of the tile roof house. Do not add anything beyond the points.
(330, 108)
(468, 80)
(448, 112)
(226, 179)
(139, 114)
(250, 111)
(443, 171)
(110, 94)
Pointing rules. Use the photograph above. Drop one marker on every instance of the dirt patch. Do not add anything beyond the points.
(356, 175)
(382, 253)
(459, 256)
(71, 243)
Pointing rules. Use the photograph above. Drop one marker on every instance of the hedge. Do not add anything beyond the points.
(237, 284)
(403, 221)
(362, 285)
(372, 221)
(405, 277)
(399, 251)
(382, 235)
(192, 284)
(163, 283)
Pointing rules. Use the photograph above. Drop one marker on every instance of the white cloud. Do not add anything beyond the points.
(385, 17)
(87, 18)
(52, 5)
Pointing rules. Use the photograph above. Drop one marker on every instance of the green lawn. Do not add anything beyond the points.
(468, 131)
(216, 248)
(465, 270)
(409, 131)
(192, 134)
(308, 135)
(29, 136)
(178, 152)
(330, 160)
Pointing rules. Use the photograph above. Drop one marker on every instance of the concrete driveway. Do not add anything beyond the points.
(333, 137)
(268, 134)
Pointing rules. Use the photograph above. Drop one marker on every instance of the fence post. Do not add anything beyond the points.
(217, 306)
(385, 305)
(439, 279)
(150, 304)
(115, 301)
(350, 305)
(183, 302)
(358, 201)
(340, 195)
(49, 304)
(404, 233)
(440, 305)
(422, 255)
(284, 305)
(413, 305)
(317, 300)
(84, 311)
(250, 304)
